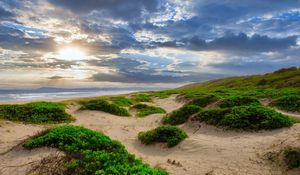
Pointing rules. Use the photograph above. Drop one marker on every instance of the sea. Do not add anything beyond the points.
(50, 93)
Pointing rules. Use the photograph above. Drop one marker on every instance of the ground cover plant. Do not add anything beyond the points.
(238, 101)
(144, 110)
(181, 115)
(105, 106)
(91, 152)
(253, 117)
(288, 103)
(292, 158)
(204, 100)
(37, 112)
(171, 135)
(142, 98)
(121, 101)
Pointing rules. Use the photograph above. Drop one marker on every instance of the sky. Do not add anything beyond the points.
(95, 43)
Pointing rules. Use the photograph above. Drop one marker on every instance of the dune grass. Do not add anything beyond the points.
(252, 117)
(145, 110)
(238, 101)
(181, 115)
(91, 152)
(37, 112)
(121, 101)
(142, 97)
(171, 135)
(105, 106)
(288, 103)
(204, 100)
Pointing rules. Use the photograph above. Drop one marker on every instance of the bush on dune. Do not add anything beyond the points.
(292, 157)
(171, 135)
(105, 106)
(181, 115)
(144, 110)
(238, 101)
(121, 101)
(252, 117)
(204, 100)
(37, 112)
(142, 98)
(288, 103)
(91, 152)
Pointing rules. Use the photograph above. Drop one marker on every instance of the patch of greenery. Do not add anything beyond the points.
(288, 103)
(163, 94)
(142, 97)
(121, 101)
(181, 115)
(171, 135)
(292, 158)
(238, 101)
(253, 117)
(204, 100)
(37, 112)
(105, 106)
(144, 110)
(91, 152)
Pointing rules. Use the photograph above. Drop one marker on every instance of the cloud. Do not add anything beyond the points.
(125, 9)
(4, 14)
(232, 42)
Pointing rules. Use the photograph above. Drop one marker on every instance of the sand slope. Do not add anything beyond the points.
(207, 151)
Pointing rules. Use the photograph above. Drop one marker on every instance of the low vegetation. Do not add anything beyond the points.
(252, 117)
(144, 110)
(288, 103)
(105, 106)
(181, 115)
(91, 152)
(142, 98)
(121, 101)
(292, 158)
(238, 101)
(204, 100)
(171, 135)
(37, 112)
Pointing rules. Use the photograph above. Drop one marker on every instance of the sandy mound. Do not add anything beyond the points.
(207, 151)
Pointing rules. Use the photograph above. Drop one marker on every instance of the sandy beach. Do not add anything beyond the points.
(208, 150)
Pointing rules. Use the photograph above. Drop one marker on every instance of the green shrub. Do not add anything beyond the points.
(213, 116)
(246, 117)
(288, 103)
(121, 101)
(238, 101)
(91, 152)
(37, 112)
(142, 98)
(181, 115)
(204, 100)
(144, 110)
(171, 135)
(105, 106)
(292, 158)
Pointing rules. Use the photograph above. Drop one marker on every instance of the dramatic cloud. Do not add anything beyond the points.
(145, 41)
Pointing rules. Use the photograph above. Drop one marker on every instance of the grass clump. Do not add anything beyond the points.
(105, 106)
(171, 135)
(121, 101)
(238, 101)
(292, 158)
(37, 112)
(288, 103)
(181, 115)
(142, 98)
(91, 152)
(203, 101)
(144, 110)
(253, 117)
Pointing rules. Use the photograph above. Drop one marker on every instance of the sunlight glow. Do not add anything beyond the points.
(71, 53)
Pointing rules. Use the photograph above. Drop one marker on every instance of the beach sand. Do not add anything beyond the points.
(207, 151)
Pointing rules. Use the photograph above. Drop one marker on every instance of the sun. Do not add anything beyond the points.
(71, 53)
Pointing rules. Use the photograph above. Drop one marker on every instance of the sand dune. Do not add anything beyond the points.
(207, 151)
